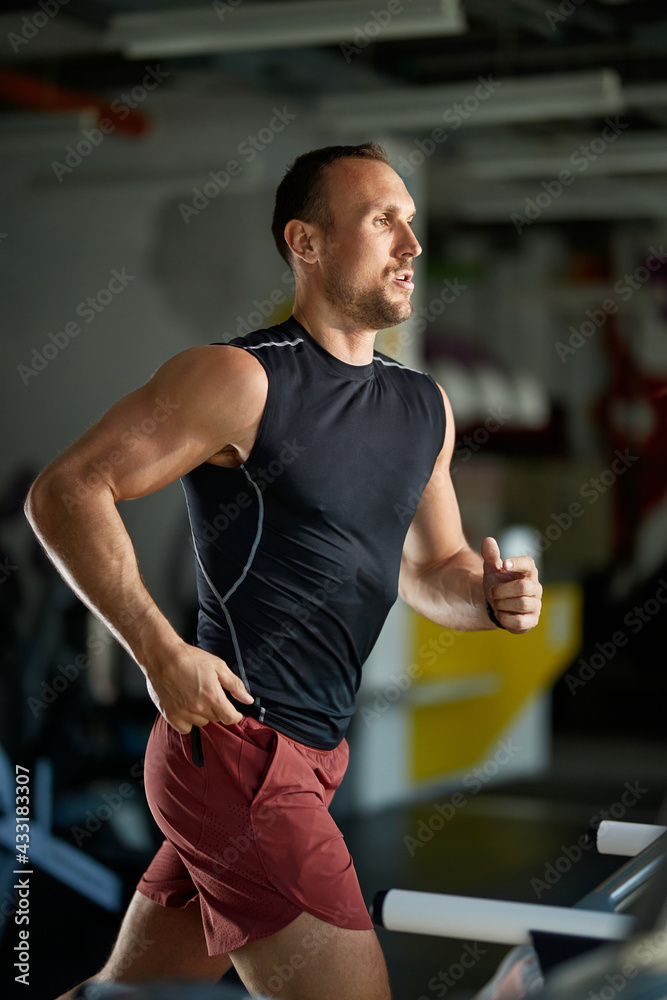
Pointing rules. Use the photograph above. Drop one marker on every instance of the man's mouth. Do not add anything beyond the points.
(404, 278)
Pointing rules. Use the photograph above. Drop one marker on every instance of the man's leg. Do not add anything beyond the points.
(157, 942)
(310, 958)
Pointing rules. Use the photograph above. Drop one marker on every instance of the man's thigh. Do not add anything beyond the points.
(310, 958)
(160, 942)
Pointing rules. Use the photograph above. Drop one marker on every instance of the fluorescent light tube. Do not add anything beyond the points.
(232, 25)
(626, 153)
(488, 100)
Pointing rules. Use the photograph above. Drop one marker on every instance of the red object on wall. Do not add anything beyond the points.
(24, 91)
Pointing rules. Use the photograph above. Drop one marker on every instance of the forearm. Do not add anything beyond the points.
(91, 549)
(449, 593)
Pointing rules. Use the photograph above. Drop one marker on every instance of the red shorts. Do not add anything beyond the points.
(249, 834)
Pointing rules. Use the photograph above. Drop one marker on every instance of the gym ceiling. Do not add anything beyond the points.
(384, 68)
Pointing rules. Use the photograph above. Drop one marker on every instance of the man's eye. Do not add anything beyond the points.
(383, 220)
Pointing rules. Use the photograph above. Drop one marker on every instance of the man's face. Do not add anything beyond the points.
(367, 257)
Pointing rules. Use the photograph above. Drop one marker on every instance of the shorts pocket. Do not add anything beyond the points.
(256, 764)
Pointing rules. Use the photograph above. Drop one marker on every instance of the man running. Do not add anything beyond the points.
(312, 441)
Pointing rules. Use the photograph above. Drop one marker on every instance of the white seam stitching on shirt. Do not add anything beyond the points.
(260, 526)
(222, 600)
(274, 343)
(397, 364)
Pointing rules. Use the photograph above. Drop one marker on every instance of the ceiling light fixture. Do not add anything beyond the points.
(636, 153)
(486, 101)
(232, 25)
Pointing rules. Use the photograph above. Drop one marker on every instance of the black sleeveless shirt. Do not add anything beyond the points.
(298, 550)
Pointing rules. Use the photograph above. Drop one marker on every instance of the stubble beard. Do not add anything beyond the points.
(367, 308)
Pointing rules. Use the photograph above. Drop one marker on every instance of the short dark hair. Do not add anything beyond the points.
(300, 194)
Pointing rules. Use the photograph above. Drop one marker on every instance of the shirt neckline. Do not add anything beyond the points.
(332, 362)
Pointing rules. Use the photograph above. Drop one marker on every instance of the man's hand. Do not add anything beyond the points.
(187, 689)
(511, 588)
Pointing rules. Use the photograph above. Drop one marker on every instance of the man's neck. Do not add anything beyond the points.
(354, 347)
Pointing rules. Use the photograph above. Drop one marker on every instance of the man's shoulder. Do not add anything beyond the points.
(199, 372)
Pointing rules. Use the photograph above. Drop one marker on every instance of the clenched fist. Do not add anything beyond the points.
(512, 588)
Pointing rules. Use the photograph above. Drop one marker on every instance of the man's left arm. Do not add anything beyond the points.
(444, 580)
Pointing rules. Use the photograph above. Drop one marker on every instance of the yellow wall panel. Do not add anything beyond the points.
(450, 735)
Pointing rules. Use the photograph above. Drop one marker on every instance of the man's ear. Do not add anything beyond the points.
(299, 237)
